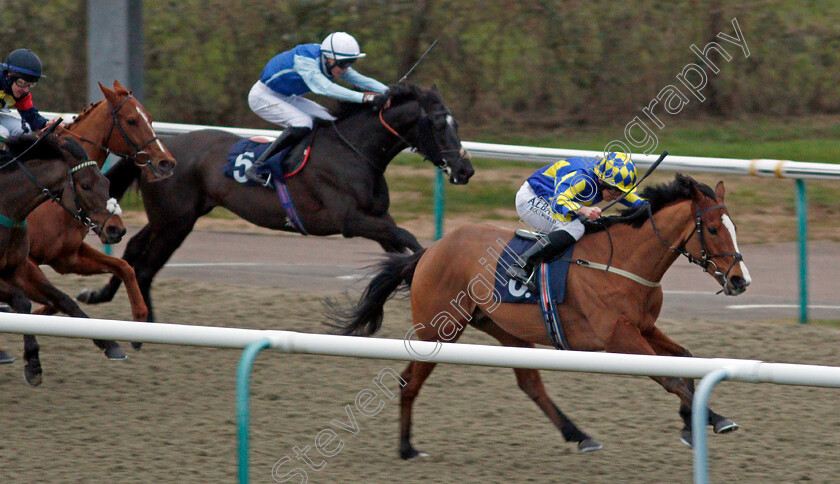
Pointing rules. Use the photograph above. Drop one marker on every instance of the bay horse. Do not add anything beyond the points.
(118, 124)
(602, 311)
(40, 171)
(341, 189)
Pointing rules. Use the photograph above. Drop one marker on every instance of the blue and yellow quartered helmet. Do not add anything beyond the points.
(617, 170)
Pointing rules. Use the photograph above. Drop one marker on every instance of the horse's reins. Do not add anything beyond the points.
(137, 149)
(426, 147)
(81, 214)
(704, 261)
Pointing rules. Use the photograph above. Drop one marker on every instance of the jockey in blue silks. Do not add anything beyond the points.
(555, 197)
(276, 97)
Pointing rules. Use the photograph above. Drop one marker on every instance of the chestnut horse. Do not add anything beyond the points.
(119, 124)
(602, 311)
(66, 176)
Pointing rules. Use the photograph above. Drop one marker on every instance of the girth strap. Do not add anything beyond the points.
(614, 270)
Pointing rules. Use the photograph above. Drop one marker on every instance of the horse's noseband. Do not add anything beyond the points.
(427, 144)
(705, 259)
(138, 156)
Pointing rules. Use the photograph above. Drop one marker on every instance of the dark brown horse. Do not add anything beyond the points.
(40, 172)
(341, 190)
(602, 311)
(118, 124)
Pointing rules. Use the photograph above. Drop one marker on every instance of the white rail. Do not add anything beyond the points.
(463, 354)
(691, 164)
(290, 342)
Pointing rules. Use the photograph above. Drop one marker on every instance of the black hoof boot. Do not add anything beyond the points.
(6, 357)
(32, 372)
(112, 350)
(589, 445)
(407, 451)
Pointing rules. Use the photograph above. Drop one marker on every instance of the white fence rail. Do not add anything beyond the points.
(692, 164)
(752, 371)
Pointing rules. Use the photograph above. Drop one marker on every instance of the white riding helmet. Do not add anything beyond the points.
(341, 45)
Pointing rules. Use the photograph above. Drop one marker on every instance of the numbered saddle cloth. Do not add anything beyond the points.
(513, 291)
(245, 151)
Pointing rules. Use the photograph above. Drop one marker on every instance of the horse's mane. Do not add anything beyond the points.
(397, 93)
(46, 149)
(85, 113)
(658, 196)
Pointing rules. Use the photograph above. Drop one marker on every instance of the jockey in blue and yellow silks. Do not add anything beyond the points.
(555, 197)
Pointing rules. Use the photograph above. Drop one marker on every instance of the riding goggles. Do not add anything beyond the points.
(24, 84)
(344, 63)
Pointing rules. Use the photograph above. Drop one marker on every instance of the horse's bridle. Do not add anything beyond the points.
(705, 259)
(138, 156)
(82, 215)
(427, 145)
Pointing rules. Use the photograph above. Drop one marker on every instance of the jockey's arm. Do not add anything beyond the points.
(368, 84)
(30, 114)
(318, 83)
(565, 193)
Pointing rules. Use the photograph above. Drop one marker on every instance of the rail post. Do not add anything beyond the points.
(243, 403)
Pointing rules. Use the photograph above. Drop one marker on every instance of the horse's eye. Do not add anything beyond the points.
(713, 231)
(85, 187)
(132, 122)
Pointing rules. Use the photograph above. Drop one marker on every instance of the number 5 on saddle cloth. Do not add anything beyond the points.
(279, 166)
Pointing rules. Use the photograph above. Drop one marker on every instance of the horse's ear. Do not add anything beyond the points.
(119, 87)
(110, 95)
(434, 88)
(719, 191)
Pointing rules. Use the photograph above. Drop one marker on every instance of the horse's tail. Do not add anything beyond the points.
(393, 274)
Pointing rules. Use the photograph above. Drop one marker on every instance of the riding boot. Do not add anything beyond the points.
(544, 249)
(289, 137)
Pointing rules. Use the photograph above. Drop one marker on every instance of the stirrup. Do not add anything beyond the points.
(528, 281)
(252, 176)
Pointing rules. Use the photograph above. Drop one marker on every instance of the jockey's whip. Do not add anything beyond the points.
(403, 78)
(647, 173)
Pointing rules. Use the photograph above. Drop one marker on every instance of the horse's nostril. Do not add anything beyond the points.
(738, 282)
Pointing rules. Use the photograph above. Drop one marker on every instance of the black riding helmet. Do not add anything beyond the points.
(22, 64)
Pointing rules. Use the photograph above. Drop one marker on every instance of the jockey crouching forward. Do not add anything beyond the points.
(20, 72)
(556, 196)
(276, 97)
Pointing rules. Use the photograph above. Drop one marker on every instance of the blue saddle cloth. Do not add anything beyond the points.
(244, 153)
(513, 291)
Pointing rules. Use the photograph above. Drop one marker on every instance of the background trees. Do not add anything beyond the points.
(539, 63)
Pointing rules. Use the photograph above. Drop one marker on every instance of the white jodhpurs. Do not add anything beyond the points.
(536, 212)
(286, 111)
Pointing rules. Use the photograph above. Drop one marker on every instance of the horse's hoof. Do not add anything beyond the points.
(589, 445)
(115, 352)
(6, 357)
(137, 346)
(32, 373)
(410, 453)
(687, 438)
(725, 426)
(89, 296)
